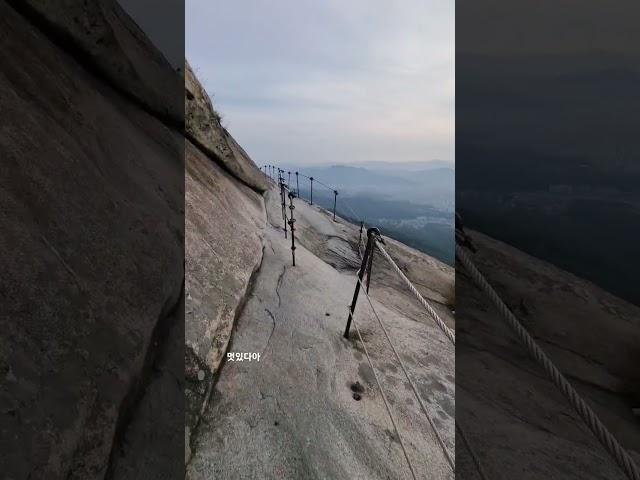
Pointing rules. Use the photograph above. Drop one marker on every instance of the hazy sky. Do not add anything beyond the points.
(307, 81)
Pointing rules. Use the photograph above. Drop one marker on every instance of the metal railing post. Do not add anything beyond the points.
(289, 181)
(292, 228)
(284, 208)
(371, 233)
(370, 264)
(360, 237)
(297, 185)
(335, 197)
(311, 178)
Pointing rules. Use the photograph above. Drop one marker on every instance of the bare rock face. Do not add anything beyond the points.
(434, 279)
(224, 219)
(91, 205)
(110, 42)
(336, 243)
(204, 129)
(592, 336)
(311, 407)
(238, 277)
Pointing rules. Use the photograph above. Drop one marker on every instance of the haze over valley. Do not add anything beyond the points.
(412, 202)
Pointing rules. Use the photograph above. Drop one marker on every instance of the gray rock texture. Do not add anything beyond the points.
(105, 343)
(108, 41)
(205, 130)
(91, 206)
(224, 221)
(518, 423)
(293, 413)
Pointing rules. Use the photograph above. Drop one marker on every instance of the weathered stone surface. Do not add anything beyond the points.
(224, 220)
(91, 206)
(293, 414)
(204, 128)
(111, 42)
(519, 424)
(259, 422)
(152, 443)
(336, 242)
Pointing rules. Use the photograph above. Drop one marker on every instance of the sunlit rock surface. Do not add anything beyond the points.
(293, 413)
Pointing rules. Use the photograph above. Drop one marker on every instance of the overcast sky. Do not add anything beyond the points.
(307, 81)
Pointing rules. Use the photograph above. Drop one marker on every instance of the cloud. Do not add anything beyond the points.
(302, 81)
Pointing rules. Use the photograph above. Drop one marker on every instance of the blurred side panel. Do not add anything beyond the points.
(548, 189)
(92, 240)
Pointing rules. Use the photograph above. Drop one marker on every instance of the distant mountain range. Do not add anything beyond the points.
(424, 183)
(350, 176)
(411, 202)
(407, 166)
(342, 176)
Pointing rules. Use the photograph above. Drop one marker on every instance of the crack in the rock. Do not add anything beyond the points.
(216, 375)
(329, 236)
(279, 284)
(272, 330)
(279, 407)
(172, 311)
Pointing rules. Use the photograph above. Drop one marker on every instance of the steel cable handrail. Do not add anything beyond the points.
(356, 216)
(413, 387)
(318, 181)
(585, 412)
(384, 398)
(332, 189)
(439, 322)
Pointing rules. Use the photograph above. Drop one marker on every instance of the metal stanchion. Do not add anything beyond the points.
(283, 203)
(335, 196)
(369, 267)
(311, 178)
(297, 185)
(372, 234)
(292, 221)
